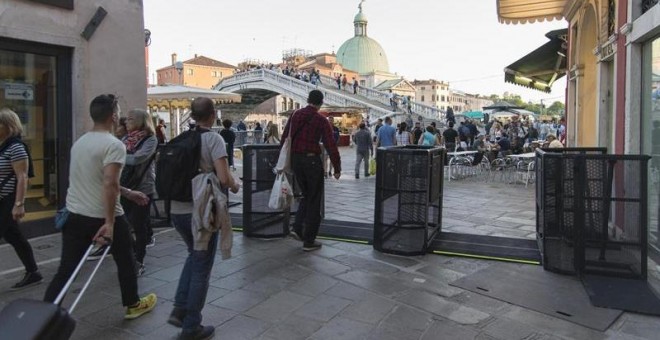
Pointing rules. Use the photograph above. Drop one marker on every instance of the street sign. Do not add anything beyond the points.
(19, 91)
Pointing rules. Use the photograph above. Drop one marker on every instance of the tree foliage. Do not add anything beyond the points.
(556, 109)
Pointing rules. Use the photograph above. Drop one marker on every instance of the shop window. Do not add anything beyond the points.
(28, 86)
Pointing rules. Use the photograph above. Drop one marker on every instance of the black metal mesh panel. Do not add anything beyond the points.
(408, 198)
(615, 237)
(557, 206)
(258, 177)
(592, 212)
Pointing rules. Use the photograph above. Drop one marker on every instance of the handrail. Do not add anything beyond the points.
(337, 97)
(383, 97)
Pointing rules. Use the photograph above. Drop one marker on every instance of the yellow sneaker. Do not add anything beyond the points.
(145, 306)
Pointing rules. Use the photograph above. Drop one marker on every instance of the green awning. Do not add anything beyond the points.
(543, 66)
(473, 114)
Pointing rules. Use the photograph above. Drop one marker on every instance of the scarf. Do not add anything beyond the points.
(133, 138)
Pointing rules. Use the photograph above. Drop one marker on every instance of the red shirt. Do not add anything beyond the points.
(317, 130)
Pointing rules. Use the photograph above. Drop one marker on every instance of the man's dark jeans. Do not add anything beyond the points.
(195, 276)
(309, 173)
(10, 231)
(138, 217)
(77, 235)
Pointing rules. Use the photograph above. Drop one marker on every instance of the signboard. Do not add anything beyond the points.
(607, 50)
(19, 91)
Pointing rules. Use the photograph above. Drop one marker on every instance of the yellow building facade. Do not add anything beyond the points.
(200, 71)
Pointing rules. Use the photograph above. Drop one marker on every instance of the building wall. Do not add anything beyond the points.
(112, 61)
(374, 78)
(434, 93)
(458, 101)
(593, 110)
(202, 76)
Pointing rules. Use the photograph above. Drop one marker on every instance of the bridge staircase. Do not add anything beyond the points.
(376, 103)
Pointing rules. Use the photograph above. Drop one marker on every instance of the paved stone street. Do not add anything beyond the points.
(270, 289)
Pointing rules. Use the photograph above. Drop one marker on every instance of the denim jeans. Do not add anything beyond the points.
(362, 156)
(194, 280)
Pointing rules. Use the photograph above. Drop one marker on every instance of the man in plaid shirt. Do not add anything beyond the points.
(307, 128)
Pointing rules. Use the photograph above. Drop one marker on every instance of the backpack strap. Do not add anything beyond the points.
(11, 141)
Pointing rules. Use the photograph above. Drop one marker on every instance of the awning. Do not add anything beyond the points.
(523, 11)
(186, 94)
(543, 66)
(472, 114)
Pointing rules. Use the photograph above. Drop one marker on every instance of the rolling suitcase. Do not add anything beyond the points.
(26, 319)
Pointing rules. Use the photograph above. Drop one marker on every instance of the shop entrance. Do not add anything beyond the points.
(35, 83)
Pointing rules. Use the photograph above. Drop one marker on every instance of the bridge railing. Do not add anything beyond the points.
(301, 89)
(383, 97)
(375, 95)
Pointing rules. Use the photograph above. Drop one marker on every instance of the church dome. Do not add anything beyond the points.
(361, 53)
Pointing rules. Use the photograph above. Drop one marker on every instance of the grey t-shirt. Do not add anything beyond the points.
(213, 148)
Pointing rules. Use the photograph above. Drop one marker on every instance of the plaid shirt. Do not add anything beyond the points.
(307, 140)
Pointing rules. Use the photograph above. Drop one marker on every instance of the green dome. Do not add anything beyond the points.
(362, 54)
(360, 17)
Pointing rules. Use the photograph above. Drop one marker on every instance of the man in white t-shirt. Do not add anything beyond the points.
(95, 212)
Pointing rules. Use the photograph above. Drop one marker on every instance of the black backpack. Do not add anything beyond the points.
(177, 164)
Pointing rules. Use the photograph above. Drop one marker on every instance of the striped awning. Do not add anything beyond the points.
(524, 11)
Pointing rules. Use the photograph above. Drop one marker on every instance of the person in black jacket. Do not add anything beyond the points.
(230, 138)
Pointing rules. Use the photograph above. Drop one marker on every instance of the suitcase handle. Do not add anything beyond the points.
(68, 284)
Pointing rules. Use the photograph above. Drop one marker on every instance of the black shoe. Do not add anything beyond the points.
(29, 279)
(95, 255)
(312, 246)
(202, 333)
(176, 317)
(357, 176)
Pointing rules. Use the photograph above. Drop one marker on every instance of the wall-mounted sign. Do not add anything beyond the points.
(19, 91)
(67, 4)
(607, 50)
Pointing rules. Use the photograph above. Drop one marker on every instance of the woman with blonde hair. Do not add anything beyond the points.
(14, 169)
(139, 174)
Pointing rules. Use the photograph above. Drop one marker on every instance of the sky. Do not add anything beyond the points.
(459, 41)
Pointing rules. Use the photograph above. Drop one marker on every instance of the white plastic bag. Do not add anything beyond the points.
(281, 195)
(284, 160)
